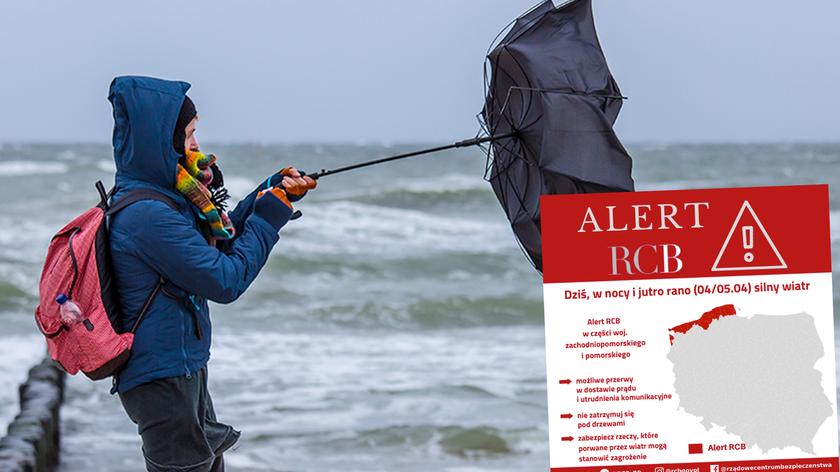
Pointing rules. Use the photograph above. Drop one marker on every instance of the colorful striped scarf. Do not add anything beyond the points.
(194, 175)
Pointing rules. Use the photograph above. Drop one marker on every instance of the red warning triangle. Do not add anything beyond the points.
(748, 246)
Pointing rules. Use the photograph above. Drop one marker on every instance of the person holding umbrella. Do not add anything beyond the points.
(551, 103)
(169, 260)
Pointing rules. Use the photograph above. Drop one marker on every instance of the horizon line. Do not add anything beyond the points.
(407, 143)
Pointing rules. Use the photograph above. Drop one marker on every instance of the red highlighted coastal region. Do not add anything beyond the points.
(704, 321)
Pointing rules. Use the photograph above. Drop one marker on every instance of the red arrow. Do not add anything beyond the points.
(566, 416)
(566, 438)
(565, 381)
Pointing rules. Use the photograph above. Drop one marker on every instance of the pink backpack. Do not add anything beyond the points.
(78, 265)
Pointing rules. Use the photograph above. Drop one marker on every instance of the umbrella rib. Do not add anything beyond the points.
(502, 168)
(521, 209)
(519, 198)
(572, 92)
(531, 217)
(504, 116)
(522, 126)
(506, 208)
(524, 27)
(496, 70)
(530, 24)
(522, 154)
(492, 43)
(518, 240)
(501, 106)
(527, 80)
(515, 154)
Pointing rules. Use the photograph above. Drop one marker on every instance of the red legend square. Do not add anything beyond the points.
(695, 448)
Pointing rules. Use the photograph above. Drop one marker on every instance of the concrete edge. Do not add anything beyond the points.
(31, 443)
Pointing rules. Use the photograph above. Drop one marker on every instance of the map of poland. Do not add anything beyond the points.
(754, 377)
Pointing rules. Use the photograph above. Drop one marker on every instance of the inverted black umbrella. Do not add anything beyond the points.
(550, 86)
(548, 117)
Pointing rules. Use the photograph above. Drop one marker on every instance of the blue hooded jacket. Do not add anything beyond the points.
(149, 240)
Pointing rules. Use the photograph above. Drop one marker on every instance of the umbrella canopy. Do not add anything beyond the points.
(550, 91)
(548, 118)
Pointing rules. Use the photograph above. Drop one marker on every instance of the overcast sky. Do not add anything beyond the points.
(395, 71)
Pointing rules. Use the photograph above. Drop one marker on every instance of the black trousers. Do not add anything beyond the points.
(176, 420)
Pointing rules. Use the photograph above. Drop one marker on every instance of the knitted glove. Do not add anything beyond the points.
(295, 192)
(273, 206)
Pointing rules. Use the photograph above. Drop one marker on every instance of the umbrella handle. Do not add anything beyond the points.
(465, 143)
(297, 214)
(459, 144)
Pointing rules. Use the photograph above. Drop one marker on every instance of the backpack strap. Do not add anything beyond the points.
(103, 196)
(129, 198)
(147, 304)
(137, 195)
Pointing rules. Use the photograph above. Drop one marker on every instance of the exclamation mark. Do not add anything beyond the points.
(747, 238)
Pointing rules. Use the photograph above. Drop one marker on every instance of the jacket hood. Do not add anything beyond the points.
(145, 112)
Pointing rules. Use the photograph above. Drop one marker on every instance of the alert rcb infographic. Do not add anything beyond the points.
(690, 329)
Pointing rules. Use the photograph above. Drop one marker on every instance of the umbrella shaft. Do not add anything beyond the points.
(459, 144)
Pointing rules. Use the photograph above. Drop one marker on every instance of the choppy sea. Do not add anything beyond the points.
(396, 326)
